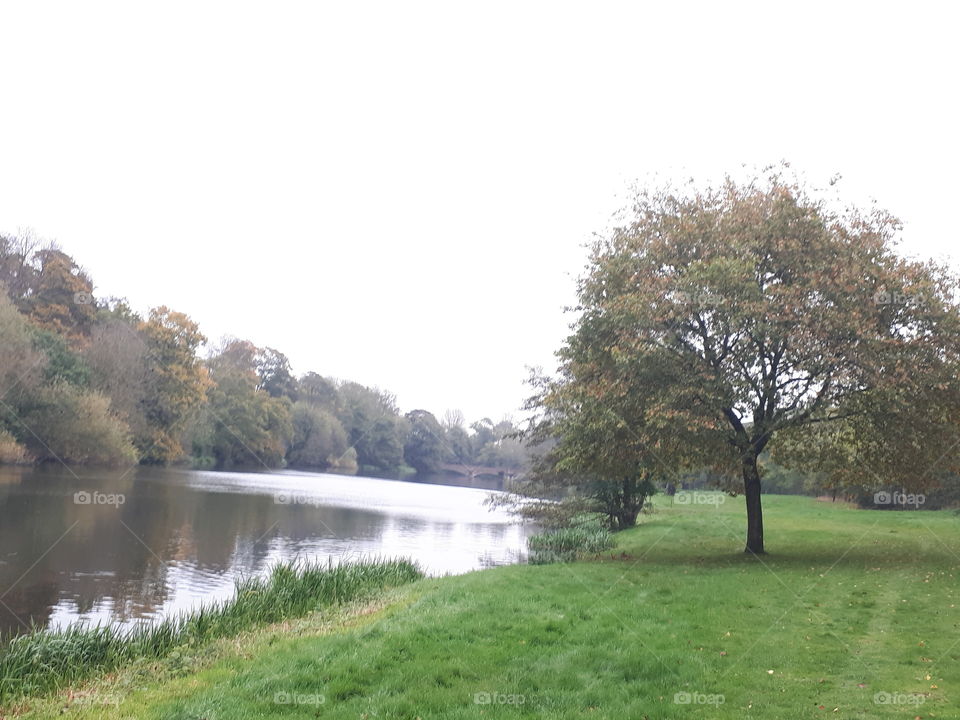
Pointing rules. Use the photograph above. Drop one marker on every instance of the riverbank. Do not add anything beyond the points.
(853, 615)
(43, 661)
(89, 545)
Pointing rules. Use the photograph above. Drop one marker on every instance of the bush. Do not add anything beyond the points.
(76, 426)
(12, 452)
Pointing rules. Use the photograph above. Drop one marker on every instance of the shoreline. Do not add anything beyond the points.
(674, 615)
(44, 660)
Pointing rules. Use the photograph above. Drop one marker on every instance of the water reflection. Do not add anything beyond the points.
(170, 538)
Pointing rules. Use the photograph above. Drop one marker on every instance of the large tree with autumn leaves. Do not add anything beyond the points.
(718, 323)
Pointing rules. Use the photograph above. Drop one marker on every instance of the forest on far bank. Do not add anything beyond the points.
(87, 380)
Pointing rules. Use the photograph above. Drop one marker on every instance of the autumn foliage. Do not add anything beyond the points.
(716, 322)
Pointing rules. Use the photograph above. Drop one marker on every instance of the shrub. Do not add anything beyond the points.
(12, 452)
(77, 426)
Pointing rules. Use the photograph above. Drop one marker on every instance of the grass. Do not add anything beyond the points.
(43, 660)
(853, 614)
(569, 543)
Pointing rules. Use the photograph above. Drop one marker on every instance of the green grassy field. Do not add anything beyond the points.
(853, 614)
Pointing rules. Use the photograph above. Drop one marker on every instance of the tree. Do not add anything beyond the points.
(61, 296)
(118, 361)
(453, 418)
(63, 365)
(374, 426)
(17, 270)
(458, 444)
(178, 379)
(46, 410)
(381, 446)
(483, 434)
(276, 378)
(748, 315)
(506, 452)
(319, 391)
(22, 363)
(426, 446)
(247, 425)
(22, 367)
(591, 459)
(504, 449)
(319, 441)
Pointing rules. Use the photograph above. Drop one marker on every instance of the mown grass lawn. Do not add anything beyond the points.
(853, 614)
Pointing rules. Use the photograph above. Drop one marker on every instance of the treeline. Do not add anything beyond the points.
(88, 380)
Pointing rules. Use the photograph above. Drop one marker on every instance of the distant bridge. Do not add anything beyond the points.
(474, 471)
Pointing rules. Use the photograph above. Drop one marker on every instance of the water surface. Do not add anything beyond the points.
(99, 545)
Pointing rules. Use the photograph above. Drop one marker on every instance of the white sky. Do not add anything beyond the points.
(398, 193)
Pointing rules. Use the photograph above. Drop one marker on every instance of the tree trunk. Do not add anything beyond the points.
(751, 491)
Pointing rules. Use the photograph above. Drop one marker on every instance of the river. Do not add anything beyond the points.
(122, 546)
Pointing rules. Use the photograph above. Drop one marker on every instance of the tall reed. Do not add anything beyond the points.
(44, 660)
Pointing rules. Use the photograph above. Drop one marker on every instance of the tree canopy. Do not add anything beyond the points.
(715, 322)
(86, 379)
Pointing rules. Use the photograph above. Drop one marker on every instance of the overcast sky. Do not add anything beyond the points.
(399, 193)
